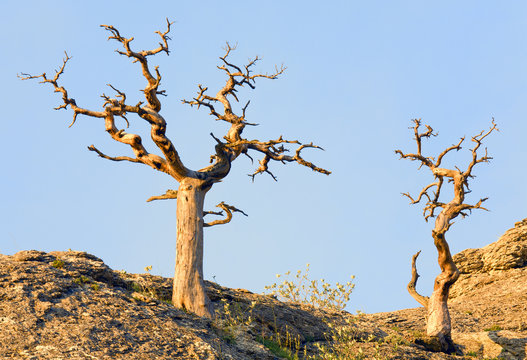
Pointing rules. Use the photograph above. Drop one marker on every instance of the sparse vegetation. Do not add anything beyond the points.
(95, 287)
(317, 293)
(494, 328)
(232, 318)
(58, 264)
(278, 349)
(81, 280)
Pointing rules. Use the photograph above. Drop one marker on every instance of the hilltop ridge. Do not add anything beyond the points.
(69, 304)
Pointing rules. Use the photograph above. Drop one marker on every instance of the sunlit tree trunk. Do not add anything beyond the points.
(438, 318)
(189, 288)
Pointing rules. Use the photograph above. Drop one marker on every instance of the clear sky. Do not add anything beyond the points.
(358, 72)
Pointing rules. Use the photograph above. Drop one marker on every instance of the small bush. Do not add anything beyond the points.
(95, 287)
(317, 293)
(81, 280)
(58, 264)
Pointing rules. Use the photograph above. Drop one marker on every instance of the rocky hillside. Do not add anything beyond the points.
(70, 305)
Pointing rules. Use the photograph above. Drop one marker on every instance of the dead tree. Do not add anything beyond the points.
(189, 290)
(438, 318)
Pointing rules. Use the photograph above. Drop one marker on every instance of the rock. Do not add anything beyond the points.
(507, 345)
(469, 261)
(509, 252)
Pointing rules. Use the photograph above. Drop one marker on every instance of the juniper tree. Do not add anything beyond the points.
(188, 289)
(438, 317)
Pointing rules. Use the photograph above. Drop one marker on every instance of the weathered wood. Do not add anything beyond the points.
(189, 288)
(438, 318)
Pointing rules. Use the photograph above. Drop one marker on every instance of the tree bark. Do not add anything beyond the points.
(438, 318)
(189, 288)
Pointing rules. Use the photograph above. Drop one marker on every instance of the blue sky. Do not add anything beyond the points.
(358, 72)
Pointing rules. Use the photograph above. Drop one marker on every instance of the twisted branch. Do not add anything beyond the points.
(151, 90)
(117, 106)
(228, 217)
(423, 300)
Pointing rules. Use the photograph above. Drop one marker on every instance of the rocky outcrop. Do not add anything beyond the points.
(70, 305)
(492, 290)
(509, 252)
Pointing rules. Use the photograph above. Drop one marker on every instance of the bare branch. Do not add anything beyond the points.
(237, 76)
(478, 140)
(456, 147)
(459, 178)
(418, 139)
(151, 90)
(273, 152)
(228, 209)
(117, 158)
(423, 300)
(169, 194)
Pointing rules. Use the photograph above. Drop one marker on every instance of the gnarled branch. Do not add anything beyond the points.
(238, 76)
(423, 300)
(272, 151)
(117, 106)
(228, 217)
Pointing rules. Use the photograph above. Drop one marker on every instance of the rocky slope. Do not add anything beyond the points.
(488, 303)
(70, 305)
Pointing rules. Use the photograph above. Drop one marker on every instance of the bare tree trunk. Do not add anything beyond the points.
(438, 318)
(189, 288)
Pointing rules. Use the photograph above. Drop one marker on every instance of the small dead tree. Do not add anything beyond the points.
(189, 290)
(438, 318)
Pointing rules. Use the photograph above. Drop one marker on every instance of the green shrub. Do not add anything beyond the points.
(58, 264)
(81, 280)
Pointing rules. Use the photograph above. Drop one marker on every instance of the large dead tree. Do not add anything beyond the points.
(438, 318)
(189, 291)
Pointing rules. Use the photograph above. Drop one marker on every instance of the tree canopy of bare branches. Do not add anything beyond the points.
(189, 290)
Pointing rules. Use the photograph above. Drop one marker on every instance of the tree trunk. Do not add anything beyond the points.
(438, 318)
(189, 288)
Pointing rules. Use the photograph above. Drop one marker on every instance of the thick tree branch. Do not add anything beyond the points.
(117, 106)
(423, 300)
(228, 217)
